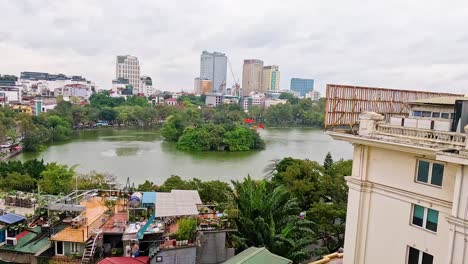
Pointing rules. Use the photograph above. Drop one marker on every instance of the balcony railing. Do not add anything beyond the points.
(425, 135)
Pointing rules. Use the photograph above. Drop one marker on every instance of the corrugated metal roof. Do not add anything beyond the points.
(254, 255)
(447, 100)
(10, 218)
(177, 203)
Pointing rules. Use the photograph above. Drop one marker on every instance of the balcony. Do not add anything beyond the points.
(424, 136)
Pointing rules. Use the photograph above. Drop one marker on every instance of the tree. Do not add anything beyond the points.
(18, 182)
(327, 163)
(57, 179)
(147, 186)
(174, 182)
(270, 218)
(186, 228)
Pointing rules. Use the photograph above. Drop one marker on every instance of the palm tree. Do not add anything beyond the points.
(270, 218)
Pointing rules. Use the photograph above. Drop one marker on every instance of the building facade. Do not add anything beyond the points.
(128, 67)
(408, 192)
(314, 95)
(302, 86)
(213, 66)
(252, 76)
(146, 86)
(271, 78)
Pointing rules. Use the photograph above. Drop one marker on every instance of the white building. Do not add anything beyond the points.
(269, 102)
(213, 66)
(74, 90)
(128, 67)
(213, 99)
(10, 90)
(42, 83)
(146, 86)
(271, 78)
(314, 95)
(408, 192)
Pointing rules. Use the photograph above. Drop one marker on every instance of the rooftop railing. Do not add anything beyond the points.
(425, 135)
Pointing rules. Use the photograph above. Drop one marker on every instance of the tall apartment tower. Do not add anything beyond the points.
(302, 86)
(213, 66)
(271, 78)
(128, 67)
(408, 191)
(252, 76)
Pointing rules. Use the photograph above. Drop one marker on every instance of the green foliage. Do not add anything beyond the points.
(94, 180)
(327, 163)
(297, 112)
(186, 228)
(57, 179)
(321, 192)
(147, 186)
(270, 218)
(18, 182)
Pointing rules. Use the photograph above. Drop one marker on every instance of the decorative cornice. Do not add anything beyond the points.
(412, 197)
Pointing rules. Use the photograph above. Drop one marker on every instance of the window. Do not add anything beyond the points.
(430, 172)
(416, 256)
(74, 247)
(444, 115)
(436, 114)
(426, 114)
(425, 217)
(417, 113)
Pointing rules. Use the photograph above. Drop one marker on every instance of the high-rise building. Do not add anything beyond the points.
(196, 86)
(213, 66)
(302, 86)
(271, 78)
(408, 190)
(252, 76)
(128, 67)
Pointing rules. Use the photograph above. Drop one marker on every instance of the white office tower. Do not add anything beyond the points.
(128, 67)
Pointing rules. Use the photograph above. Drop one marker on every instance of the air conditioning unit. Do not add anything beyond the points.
(12, 241)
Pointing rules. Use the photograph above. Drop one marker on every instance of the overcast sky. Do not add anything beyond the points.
(419, 45)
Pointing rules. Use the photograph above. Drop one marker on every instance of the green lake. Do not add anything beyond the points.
(143, 154)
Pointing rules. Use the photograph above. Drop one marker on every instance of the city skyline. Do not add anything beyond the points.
(404, 47)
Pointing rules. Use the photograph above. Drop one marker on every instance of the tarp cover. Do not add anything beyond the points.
(10, 218)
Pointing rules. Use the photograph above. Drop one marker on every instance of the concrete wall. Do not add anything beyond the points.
(382, 189)
(213, 247)
(186, 255)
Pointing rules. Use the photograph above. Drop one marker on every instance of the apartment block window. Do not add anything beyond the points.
(430, 172)
(436, 114)
(416, 256)
(425, 217)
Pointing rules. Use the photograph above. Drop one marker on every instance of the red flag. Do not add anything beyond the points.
(260, 125)
(249, 121)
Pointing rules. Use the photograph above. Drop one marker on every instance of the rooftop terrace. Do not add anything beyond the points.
(93, 217)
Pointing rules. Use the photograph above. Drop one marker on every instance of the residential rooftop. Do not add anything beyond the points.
(94, 211)
(446, 100)
(258, 256)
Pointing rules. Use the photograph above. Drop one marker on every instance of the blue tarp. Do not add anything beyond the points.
(149, 198)
(9, 218)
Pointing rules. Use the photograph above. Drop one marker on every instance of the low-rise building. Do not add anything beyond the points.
(171, 101)
(269, 102)
(213, 99)
(314, 95)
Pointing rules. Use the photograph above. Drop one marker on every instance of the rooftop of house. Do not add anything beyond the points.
(29, 241)
(95, 209)
(446, 100)
(10, 218)
(373, 130)
(258, 256)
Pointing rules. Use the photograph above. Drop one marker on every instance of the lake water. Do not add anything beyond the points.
(143, 155)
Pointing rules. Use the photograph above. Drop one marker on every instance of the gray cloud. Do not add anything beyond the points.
(401, 44)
